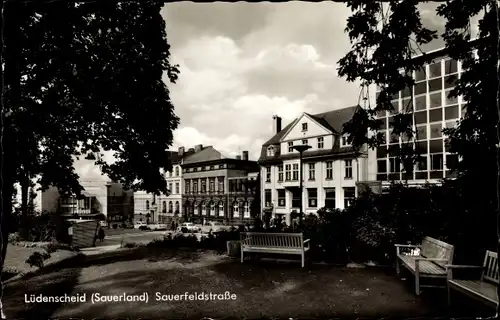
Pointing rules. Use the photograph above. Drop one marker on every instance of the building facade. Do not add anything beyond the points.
(162, 209)
(98, 198)
(432, 111)
(331, 169)
(219, 188)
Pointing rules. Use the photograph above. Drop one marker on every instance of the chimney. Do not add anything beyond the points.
(244, 155)
(276, 124)
(191, 150)
(181, 151)
(238, 157)
(198, 148)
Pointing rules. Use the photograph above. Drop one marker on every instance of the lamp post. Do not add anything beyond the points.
(301, 149)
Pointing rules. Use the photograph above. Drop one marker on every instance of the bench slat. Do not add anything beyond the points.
(485, 290)
(426, 267)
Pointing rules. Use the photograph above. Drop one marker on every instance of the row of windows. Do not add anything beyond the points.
(218, 210)
(421, 132)
(207, 168)
(176, 173)
(191, 186)
(164, 206)
(291, 172)
(432, 162)
(312, 197)
(176, 190)
(320, 144)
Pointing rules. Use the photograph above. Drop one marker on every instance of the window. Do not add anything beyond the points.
(304, 142)
(177, 191)
(246, 210)
(147, 204)
(422, 163)
(280, 172)
(221, 209)
(281, 198)
(420, 74)
(268, 198)
(349, 196)
(295, 173)
(435, 84)
(270, 151)
(421, 133)
(450, 100)
(450, 66)
(288, 172)
(451, 112)
(436, 130)
(176, 171)
(203, 186)
(290, 146)
(450, 81)
(236, 210)
(329, 170)
(203, 208)
(394, 165)
(186, 186)
(164, 207)
(421, 102)
(312, 171)
(435, 70)
(320, 143)
(177, 207)
(420, 88)
(304, 127)
(211, 186)
(220, 188)
(221, 166)
(435, 100)
(170, 207)
(195, 186)
(312, 198)
(345, 141)
(436, 115)
(330, 198)
(268, 174)
(348, 169)
(437, 161)
(212, 208)
(170, 188)
(382, 166)
(196, 209)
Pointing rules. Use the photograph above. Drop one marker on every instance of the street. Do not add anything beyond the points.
(134, 235)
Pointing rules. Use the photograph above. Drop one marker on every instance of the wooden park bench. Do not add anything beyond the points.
(483, 288)
(282, 243)
(434, 255)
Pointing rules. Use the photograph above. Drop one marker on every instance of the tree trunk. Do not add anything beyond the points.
(23, 227)
(5, 222)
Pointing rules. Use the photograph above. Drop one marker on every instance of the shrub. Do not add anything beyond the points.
(14, 237)
(38, 259)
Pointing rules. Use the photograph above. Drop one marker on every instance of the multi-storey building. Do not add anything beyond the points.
(220, 188)
(432, 111)
(163, 208)
(99, 197)
(331, 168)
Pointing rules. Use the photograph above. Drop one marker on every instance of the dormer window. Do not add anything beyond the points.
(270, 151)
(344, 141)
(304, 127)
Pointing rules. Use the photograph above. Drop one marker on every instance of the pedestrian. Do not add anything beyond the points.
(172, 227)
(101, 234)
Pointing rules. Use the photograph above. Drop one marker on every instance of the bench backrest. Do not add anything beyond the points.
(436, 249)
(282, 240)
(490, 271)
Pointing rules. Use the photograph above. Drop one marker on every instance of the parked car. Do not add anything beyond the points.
(189, 227)
(139, 224)
(158, 226)
(215, 226)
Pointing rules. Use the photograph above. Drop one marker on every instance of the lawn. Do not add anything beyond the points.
(262, 289)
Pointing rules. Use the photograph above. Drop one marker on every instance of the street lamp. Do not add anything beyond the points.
(301, 149)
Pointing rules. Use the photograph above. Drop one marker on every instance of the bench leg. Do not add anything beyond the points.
(417, 284)
(241, 255)
(397, 267)
(303, 259)
(449, 294)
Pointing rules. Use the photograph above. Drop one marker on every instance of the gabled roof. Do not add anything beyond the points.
(206, 154)
(333, 120)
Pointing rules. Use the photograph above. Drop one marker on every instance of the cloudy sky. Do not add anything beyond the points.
(243, 62)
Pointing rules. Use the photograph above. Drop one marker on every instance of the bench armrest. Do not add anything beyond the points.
(406, 246)
(430, 259)
(450, 267)
(307, 242)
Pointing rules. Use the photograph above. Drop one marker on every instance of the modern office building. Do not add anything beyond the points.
(219, 188)
(331, 168)
(150, 208)
(99, 198)
(432, 111)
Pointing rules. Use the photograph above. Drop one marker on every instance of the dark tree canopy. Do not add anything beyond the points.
(84, 78)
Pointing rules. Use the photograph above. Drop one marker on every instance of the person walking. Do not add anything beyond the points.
(101, 234)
